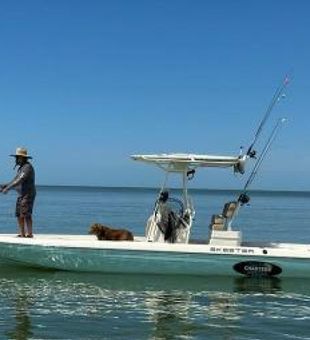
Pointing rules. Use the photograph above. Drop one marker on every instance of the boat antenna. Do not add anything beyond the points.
(279, 93)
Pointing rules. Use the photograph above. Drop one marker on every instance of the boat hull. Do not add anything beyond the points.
(138, 259)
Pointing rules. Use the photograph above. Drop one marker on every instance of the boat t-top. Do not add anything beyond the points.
(172, 218)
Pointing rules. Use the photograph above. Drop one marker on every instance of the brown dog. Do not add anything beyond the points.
(105, 233)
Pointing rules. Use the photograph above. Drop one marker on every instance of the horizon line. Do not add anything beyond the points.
(172, 188)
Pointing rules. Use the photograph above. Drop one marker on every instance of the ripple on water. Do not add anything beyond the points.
(72, 308)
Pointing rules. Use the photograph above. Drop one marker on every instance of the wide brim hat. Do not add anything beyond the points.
(21, 152)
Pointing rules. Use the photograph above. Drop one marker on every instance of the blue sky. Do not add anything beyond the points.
(85, 84)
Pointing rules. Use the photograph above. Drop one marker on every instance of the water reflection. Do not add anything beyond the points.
(160, 307)
(168, 312)
(266, 285)
(22, 328)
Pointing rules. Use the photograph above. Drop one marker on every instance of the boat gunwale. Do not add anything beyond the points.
(188, 249)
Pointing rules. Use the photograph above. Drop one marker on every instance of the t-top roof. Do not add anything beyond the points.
(181, 161)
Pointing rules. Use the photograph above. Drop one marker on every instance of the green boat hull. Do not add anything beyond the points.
(152, 262)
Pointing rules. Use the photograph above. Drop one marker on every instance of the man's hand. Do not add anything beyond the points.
(3, 189)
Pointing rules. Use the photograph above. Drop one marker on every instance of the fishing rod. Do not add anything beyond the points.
(243, 197)
(279, 93)
(264, 152)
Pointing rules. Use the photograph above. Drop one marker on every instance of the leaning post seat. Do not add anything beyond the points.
(219, 234)
(217, 222)
(221, 221)
(229, 209)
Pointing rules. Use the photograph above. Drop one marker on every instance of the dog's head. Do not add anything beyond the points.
(96, 229)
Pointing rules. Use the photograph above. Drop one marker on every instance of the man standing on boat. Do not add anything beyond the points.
(24, 183)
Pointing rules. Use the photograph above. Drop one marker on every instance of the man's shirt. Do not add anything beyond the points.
(25, 180)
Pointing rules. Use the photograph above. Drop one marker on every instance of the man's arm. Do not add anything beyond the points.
(6, 187)
(18, 179)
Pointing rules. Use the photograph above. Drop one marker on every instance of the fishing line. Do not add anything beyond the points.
(275, 99)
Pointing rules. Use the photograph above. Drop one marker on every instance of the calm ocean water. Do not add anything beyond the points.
(38, 304)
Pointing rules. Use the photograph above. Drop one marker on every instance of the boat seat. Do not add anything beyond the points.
(217, 222)
(229, 209)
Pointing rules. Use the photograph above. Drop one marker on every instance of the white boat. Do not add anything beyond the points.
(225, 253)
(166, 247)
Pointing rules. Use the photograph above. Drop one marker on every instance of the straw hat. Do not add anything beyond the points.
(21, 152)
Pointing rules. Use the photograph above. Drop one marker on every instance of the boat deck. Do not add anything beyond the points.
(90, 241)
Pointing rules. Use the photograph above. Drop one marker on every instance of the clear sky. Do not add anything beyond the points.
(85, 84)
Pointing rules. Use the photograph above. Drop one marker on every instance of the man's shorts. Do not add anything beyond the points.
(24, 206)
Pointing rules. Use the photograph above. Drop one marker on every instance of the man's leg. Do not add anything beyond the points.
(20, 217)
(21, 224)
(26, 211)
(29, 225)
